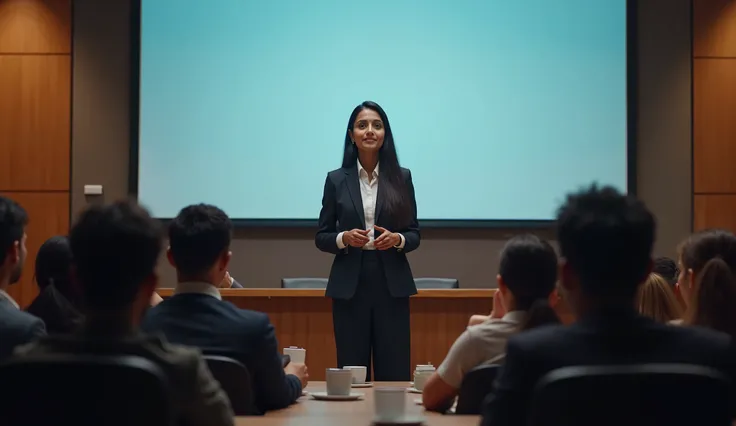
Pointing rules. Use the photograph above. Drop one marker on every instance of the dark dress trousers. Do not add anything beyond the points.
(370, 288)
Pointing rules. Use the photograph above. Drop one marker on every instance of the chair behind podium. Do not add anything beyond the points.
(304, 283)
(436, 283)
(83, 390)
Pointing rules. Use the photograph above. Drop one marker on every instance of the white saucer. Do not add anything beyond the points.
(362, 385)
(322, 396)
(305, 393)
(413, 390)
(405, 421)
(419, 401)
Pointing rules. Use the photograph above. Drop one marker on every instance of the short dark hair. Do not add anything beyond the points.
(666, 268)
(606, 238)
(114, 248)
(198, 236)
(13, 221)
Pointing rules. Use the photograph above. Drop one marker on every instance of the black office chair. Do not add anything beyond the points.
(476, 385)
(83, 390)
(632, 395)
(436, 283)
(304, 283)
(236, 382)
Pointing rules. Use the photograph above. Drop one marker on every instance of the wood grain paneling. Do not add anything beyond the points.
(48, 216)
(715, 211)
(35, 122)
(35, 26)
(714, 28)
(714, 143)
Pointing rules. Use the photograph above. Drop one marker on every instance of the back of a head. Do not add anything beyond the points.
(115, 249)
(667, 269)
(53, 264)
(13, 221)
(711, 255)
(198, 236)
(606, 240)
(528, 267)
(657, 300)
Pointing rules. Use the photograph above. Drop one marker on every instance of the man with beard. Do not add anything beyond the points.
(16, 327)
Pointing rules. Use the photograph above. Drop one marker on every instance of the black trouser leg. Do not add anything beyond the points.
(352, 324)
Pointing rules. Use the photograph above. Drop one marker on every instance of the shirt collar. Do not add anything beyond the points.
(5, 295)
(198, 287)
(361, 169)
(514, 316)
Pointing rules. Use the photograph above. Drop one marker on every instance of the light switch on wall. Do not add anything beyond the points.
(92, 189)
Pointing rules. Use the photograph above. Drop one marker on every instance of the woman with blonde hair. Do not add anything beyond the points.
(656, 300)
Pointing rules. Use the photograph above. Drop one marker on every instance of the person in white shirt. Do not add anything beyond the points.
(369, 222)
(526, 290)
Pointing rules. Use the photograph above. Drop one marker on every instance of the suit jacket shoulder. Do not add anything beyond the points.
(17, 328)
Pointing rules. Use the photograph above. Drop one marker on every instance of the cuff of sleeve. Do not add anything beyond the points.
(339, 242)
(402, 243)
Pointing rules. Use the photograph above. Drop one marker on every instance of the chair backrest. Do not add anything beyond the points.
(429, 283)
(476, 385)
(84, 390)
(304, 282)
(646, 395)
(235, 381)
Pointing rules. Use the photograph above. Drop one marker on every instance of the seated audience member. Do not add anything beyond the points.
(16, 327)
(605, 243)
(57, 301)
(526, 282)
(115, 250)
(667, 269)
(707, 281)
(656, 299)
(199, 249)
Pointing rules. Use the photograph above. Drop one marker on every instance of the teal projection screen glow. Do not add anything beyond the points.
(498, 107)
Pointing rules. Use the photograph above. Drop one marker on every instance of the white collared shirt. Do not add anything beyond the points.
(198, 287)
(5, 295)
(369, 196)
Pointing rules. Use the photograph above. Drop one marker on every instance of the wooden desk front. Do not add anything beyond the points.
(303, 318)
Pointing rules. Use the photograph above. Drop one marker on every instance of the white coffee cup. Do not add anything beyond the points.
(297, 355)
(359, 373)
(339, 381)
(390, 404)
(421, 374)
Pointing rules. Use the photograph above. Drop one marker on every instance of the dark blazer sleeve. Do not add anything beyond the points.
(274, 389)
(411, 233)
(236, 284)
(326, 238)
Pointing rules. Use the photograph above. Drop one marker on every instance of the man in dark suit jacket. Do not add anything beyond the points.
(606, 241)
(199, 241)
(16, 327)
(115, 250)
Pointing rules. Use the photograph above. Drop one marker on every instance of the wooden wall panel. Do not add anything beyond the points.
(37, 26)
(49, 215)
(714, 109)
(714, 28)
(715, 211)
(35, 120)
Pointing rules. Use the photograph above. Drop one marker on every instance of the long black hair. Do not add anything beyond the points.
(529, 269)
(53, 265)
(394, 191)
